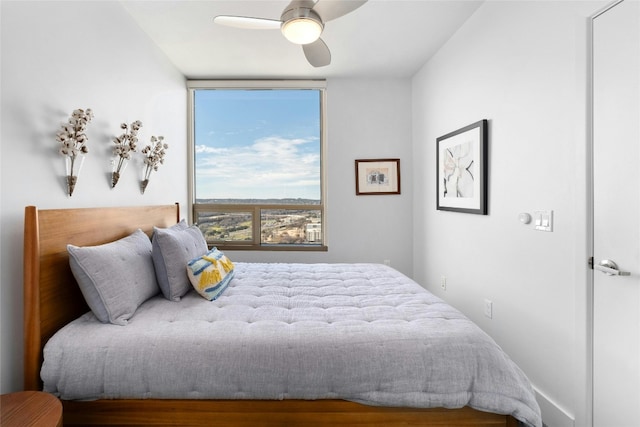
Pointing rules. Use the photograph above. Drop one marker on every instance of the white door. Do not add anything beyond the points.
(616, 210)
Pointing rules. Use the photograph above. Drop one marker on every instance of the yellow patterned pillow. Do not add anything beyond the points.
(210, 274)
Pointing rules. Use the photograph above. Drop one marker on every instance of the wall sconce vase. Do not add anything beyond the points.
(73, 144)
(73, 165)
(153, 157)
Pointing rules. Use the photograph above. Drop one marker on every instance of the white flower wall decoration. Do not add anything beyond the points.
(153, 158)
(73, 140)
(125, 145)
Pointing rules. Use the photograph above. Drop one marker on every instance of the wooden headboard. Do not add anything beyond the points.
(52, 297)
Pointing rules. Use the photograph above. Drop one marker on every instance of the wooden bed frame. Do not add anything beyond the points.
(52, 299)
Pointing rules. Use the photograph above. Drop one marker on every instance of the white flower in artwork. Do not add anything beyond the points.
(458, 171)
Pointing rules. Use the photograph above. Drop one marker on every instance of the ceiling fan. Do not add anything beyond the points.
(301, 22)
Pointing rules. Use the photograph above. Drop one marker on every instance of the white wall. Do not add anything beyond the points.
(523, 66)
(56, 57)
(367, 118)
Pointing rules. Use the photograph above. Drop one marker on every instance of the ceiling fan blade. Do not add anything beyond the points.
(317, 53)
(247, 22)
(332, 9)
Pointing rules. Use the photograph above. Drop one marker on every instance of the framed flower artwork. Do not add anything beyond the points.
(461, 159)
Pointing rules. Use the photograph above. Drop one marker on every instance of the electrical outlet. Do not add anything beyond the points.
(387, 262)
(443, 283)
(488, 308)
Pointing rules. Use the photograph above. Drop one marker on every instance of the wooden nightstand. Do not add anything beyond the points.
(30, 408)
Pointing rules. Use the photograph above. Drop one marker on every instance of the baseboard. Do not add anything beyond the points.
(552, 414)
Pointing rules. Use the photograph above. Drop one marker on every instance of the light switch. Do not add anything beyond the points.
(543, 220)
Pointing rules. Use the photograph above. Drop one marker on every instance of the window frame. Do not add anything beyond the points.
(256, 209)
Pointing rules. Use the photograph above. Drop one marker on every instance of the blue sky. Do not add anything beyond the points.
(257, 144)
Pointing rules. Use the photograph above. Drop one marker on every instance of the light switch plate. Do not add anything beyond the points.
(543, 220)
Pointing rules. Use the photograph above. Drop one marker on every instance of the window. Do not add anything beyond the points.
(257, 164)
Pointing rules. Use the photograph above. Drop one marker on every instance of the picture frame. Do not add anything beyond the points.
(377, 176)
(462, 169)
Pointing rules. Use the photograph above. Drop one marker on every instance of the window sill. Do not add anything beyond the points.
(290, 248)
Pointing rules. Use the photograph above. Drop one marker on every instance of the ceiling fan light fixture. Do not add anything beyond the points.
(302, 30)
(301, 23)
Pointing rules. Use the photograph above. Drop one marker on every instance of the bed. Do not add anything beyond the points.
(54, 306)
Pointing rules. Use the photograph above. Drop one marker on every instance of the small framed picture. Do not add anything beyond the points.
(377, 176)
(461, 182)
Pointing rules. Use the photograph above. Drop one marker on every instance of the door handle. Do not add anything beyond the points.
(610, 268)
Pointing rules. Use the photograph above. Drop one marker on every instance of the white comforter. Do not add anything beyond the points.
(360, 332)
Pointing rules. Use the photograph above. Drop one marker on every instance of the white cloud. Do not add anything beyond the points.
(209, 150)
(271, 167)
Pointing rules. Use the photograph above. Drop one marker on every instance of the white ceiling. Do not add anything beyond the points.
(382, 38)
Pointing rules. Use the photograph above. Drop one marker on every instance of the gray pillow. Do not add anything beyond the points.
(115, 278)
(173, 248)
(158, 261)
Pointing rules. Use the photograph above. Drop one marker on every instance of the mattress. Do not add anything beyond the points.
(359, 332)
